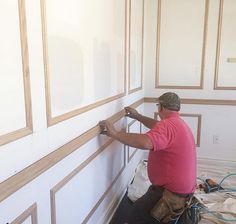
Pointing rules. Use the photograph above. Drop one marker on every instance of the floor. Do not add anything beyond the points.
(218, 201)
(122, 211)
(206, 169)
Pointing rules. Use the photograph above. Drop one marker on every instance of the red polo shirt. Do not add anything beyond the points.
(172, 161)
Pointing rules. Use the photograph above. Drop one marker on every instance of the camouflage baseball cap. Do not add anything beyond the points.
(170, 101)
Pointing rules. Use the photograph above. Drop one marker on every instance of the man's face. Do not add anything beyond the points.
(159, 109)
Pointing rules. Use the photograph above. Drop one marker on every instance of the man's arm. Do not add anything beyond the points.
(147, 121)
(140, 141)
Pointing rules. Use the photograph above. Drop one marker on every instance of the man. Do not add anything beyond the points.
(171, 161)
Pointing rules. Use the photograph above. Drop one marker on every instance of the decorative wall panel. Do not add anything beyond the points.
(225, 65)
(79, 194)
(15, 103)
(136, 21)
(84, 55)
(133, 127)
(181, 40)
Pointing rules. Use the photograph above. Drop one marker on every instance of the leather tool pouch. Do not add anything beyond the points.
(169, 207)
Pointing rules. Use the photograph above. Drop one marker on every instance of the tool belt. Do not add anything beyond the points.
(169, 207)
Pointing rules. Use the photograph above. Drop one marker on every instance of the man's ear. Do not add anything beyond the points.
(161, 107)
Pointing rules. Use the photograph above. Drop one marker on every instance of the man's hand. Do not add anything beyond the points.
(107, 128)
(131, 112)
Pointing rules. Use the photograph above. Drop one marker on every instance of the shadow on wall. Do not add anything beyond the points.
(102, 69)
(66, 71)
(133, 70)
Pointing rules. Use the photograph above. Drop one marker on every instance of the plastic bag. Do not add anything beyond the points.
(140, 183)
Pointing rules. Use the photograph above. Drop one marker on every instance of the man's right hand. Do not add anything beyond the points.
(131, 112)
(107, 128)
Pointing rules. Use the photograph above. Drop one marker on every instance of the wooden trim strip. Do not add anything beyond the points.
(12, 184)
(142, 44)
(135, 90)
(12, 136)
(30, 212)
(197, 101)
(130, 91)
(132, 155)
(25, 64)
(46, 59)
(125, 44)
(204, 43)
(129, 31)
(158, 45)
(218, 44)
(199, 125)
(177, 87)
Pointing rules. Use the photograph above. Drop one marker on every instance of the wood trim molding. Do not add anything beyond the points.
(218, 52)
(197, 101)
(130, 91)
(135, 90)
(158, 43)
(59, 118)
(131, 155)
(30, 212)
(14, 135)
(199, 124)
(12, 184)
(200, 86)
(63, 182)
(67, 115)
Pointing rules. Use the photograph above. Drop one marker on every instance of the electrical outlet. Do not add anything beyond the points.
(216, 139)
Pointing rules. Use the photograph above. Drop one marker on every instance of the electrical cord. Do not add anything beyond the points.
(227, 189)
(215, 214)
(217, 188)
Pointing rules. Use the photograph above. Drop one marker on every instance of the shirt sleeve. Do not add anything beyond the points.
(159, 136)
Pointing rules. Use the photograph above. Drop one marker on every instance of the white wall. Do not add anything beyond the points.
(55, 166)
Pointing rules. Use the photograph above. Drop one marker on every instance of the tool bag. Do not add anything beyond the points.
(171, 207)
(191, 215)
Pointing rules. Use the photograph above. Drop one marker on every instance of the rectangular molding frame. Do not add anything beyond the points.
(130, 156)
(218, 45)
(130, 91)
(157, 85)
(63, 182)
(199, 124)
(30, 212)
(54, 120)
(12, 136)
